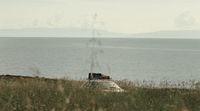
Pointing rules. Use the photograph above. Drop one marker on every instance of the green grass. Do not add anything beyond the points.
(39, 94)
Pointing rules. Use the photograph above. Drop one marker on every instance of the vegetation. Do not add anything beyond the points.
(40, 94)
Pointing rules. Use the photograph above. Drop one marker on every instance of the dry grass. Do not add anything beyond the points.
(39, 94)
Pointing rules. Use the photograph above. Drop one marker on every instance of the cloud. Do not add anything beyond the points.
(186, 21)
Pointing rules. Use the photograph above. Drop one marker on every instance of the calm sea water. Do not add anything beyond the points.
(132, 59)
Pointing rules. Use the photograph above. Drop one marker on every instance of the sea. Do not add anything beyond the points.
(121, 58)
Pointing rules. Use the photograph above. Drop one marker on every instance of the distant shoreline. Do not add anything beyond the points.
(41, 37)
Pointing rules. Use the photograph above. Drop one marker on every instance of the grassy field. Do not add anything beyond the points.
(40, 94)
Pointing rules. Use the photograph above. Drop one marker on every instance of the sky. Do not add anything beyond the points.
(124, 16)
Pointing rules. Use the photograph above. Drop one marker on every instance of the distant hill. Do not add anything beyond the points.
(55, 32)
(78, 32)
(169, 34)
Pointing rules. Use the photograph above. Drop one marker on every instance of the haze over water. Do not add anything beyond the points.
(132, 59)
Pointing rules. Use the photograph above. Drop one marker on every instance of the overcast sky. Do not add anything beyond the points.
(126, 16)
